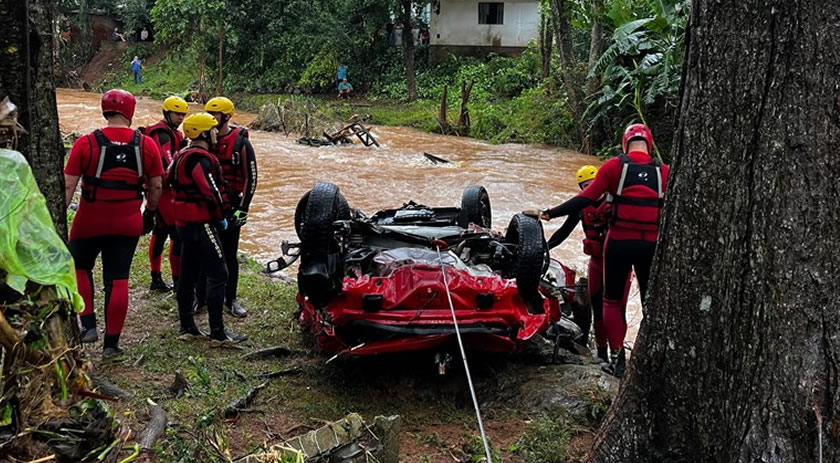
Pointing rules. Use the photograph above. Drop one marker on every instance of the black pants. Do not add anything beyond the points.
(202, 257)
(230, 245)
(619, 257)
(117, 253)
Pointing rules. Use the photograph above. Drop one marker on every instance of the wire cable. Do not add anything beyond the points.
(464, 357)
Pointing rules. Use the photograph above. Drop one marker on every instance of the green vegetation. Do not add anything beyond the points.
(295, 46)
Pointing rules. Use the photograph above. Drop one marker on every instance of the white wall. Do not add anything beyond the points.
(457, 24)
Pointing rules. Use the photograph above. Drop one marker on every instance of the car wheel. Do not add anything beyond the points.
(475, 208)
(529, 259)
(321, 270)
(344, 212)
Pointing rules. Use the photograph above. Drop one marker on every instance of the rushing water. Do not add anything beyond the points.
(517, 177)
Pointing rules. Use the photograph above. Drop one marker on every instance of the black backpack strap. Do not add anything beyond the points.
(237, 146)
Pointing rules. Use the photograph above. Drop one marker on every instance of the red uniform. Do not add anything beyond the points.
(636, 184)
(104, 209)
(170, 142)
(639, 206)
(200, 191)
(114, 164)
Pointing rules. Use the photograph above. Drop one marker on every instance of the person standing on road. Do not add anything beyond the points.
(239, 168)
(201, 211)
(636, 184)
(595, 222)
(169, 140)
(137, 68)
(114, 163)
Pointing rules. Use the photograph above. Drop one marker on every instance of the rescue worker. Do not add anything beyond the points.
(239, 167)
(636, 184)
(595, 222)
(114, 163)
(201, 210)
(165, 133)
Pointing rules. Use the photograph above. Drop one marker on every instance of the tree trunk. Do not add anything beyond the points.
(572, 78)
(546, 41)
(408, 49)
(596, 49)
(737, 357)
(221, 50)
(442, 118)
(27, 77)
(464, 113)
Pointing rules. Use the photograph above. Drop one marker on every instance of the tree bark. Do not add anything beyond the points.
(737, 357)
(596, 49)
(572, 78)
(27, 77)
(408, 49)
(221, 52)
(546, 42)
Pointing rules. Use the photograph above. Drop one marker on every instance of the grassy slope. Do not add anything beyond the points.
(437, 417)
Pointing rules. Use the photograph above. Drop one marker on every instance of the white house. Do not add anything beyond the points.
(478, 27)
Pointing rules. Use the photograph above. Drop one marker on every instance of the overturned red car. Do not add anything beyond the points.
(392, 281)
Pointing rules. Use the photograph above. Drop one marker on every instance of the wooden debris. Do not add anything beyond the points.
(179, 385)
(110, 389)
(280, 373)
(276, 351)
(242, 403)
(154, 429)
(435, 159)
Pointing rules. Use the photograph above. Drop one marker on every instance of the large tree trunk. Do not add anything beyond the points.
(596, 49)
(27, 77)
(572, 77)
(737, 358)
(546, 41)
(408, 49)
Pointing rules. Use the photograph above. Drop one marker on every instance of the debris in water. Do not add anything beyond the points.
(435, 159)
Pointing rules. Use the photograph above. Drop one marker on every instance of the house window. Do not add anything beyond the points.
(491, 13)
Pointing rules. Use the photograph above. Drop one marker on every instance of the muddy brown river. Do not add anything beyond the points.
(517, 177)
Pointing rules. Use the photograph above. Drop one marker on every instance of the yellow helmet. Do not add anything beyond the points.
(219, 104)
(197, 123)
(176, 104)
(585, 173)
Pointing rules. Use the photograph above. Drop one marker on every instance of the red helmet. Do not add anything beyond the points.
(119, 101)
(635, 131)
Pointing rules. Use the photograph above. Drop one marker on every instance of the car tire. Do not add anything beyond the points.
(475, 208)
(322, 267)
(528, 262)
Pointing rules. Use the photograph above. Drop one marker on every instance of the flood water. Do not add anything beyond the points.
(517, 177)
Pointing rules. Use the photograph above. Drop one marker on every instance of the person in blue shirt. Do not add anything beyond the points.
(344, 89)
(136, 67)
(341, 75)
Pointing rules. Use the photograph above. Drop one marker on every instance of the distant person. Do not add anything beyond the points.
(389, 31)
(118, 37)
(424, 37)
(341, 75)
(144, 35)
(344, 89)
(137, 67)
(117, 166)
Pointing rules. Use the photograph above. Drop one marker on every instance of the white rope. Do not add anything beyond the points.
(464, 357)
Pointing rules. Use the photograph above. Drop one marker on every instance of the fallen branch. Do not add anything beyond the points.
(110, 389)
(278, 374)
(242, 403)
(154, 429)
(276, 351)
(179, 385)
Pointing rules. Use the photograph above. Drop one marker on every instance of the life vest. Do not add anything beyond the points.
(176, 139)
(115, 172)
(595, 220)
(638, 200)
(229, 152)
(190, 205)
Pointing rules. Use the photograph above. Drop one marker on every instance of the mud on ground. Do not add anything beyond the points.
(533, 411)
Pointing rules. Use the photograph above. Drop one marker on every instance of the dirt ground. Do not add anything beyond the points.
(438, 420)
